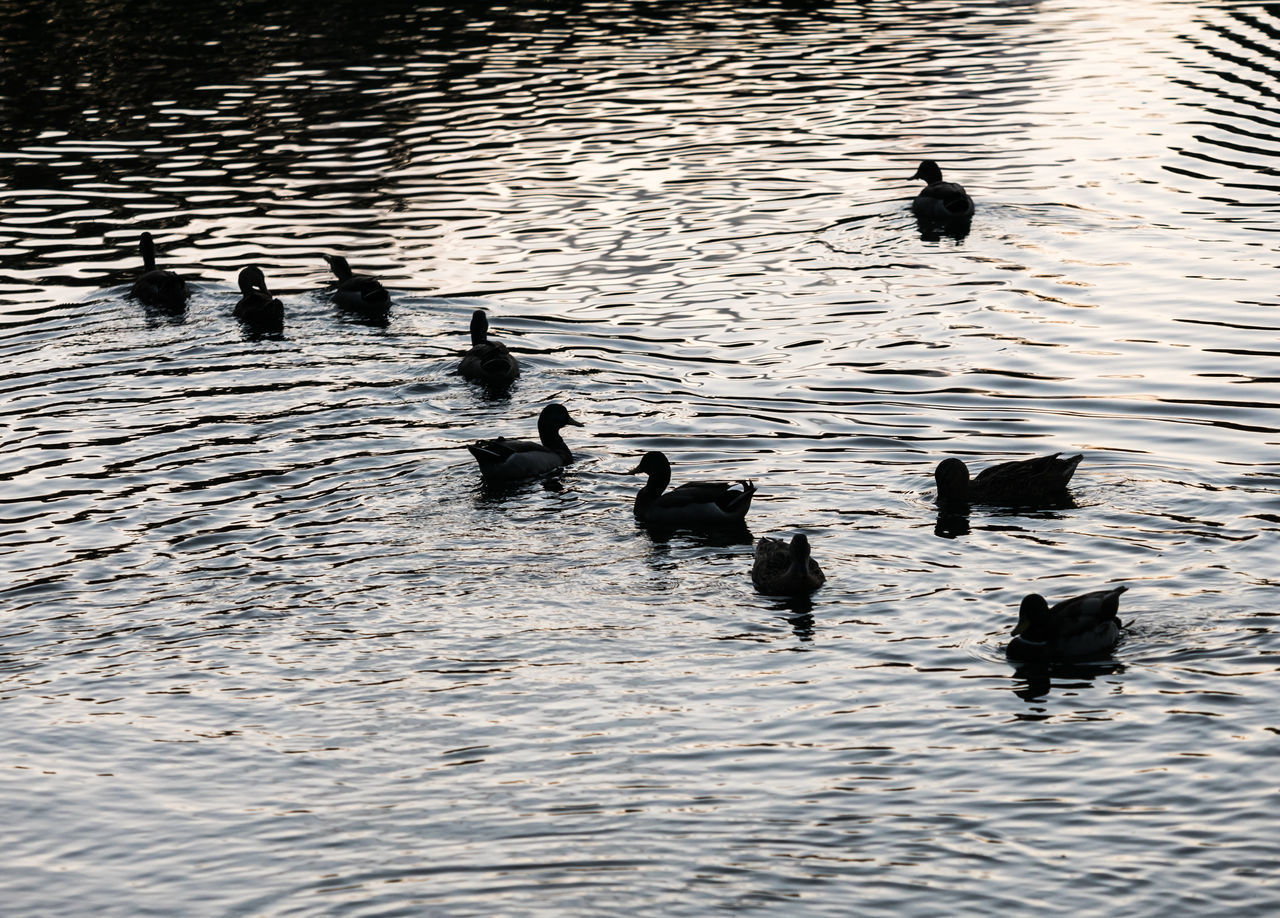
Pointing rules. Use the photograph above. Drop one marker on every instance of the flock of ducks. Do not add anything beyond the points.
(1078, 627)
(257, 308)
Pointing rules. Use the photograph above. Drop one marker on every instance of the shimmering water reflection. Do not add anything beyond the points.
(269, 644)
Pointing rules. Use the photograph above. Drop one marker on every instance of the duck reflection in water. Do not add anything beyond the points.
(714, 537)
(951, 525)
(1034, 679)
(798, 611)
(493, 493)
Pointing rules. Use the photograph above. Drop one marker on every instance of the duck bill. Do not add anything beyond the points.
(1018, 628)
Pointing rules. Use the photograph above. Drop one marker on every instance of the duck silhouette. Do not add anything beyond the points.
(1022, 482)
(693, 505)
(939, 201)
(487, 362)
(503, 459)
(357, 292)
(786, 569)
(257, 307)
(1082, 626)
(156, 286)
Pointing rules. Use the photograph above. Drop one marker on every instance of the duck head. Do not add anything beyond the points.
(799, 549)
(252, 281)
(952, 479)
(929, 172)
(652, 464)
(555, 416)
(338, 265)
(1033, 616)
(148, 247)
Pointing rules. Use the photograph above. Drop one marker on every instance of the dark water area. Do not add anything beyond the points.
(269, 646)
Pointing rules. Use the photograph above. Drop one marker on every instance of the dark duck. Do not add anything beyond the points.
(487, 362)
(357, 292)
(1023, 482)
(155, 286)
(504, 460)
(1082, 626)
(257, 308)
(694, 505)
(786, 570)
(939, 201)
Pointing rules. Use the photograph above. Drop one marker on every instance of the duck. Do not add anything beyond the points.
(693, 505)
(506, 460)
(943, 202)
(1082, 626)
(782, 569)
(487, 362)
(257, 307)
(358, 292)
(155, 286)
(1022, 482)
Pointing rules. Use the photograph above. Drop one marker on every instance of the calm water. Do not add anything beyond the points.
(267, 647)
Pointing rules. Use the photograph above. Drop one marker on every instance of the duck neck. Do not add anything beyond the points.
(659, 478)
(549, 434)
(479, 330)
(148, 254)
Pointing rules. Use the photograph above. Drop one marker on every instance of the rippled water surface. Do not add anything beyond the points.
(268, 646)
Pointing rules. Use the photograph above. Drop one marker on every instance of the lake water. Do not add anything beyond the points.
(268, 646)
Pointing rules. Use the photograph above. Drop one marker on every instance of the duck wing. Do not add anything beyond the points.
(260, 310)
(1026, 478)
(160, 288)
(513, 459)
(489, 362)
(943, 199)
(500, 449)
(729, 496)
(1086, 611)
(360, 291)
(773, 557)
(1086, 624)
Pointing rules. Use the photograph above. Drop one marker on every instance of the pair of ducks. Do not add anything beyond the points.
(695, 505)
(257, 308)
(1079, 627)
(261, 311)
(1082, 626)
